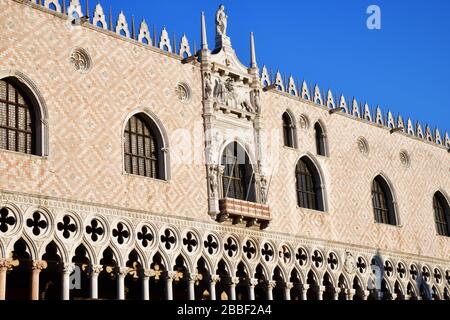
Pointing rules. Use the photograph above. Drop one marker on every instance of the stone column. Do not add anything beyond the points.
(233, 282)
(145, 284)
(366, 294)
(350, 294)
(304, 291)
(37, 267)
(320, 291)
(336, 292)
(121, 274)
(5, 266)
(95, 271)
(170, 276)
(67, 270)
(270, 285)
(251, 288)
(287, 290)
(212, 286)
(393, 296)
(192, 278)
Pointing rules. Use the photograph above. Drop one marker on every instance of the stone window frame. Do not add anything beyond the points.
(38, 105)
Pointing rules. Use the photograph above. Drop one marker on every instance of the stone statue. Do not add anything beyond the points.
(263, 190)
(220, 91)
(256, 100)
(212, 155)
(230, 98)
(221, 22)
(208, 85)
(350, 263)
(212, 180)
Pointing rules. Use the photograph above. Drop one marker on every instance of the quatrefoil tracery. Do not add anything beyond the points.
(121, 233)
(67, 227)
(190, 242)
(249, 249)
(38, 224)
(168, 239)
(145, 236)
(7, 220)
(211, 245)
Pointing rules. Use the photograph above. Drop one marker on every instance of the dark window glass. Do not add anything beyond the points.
(141, 148)
(288, 131)
(238, 176)
(320, 140)
(382, 200)
(306, 187)
(441, 215)
(16, 123)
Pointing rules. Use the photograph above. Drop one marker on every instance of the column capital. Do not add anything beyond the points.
(39, 265)
(351, 291)
(393, 296)
(288, 285)
(304, 286)
(253, 282)
(321, 288)
(271, 284)
(148, 273)
(8, 263)
(234, 280)
(122, 271)
(171, 275)
(95, 269)
(68, 268)
(214, 278)
(192, 277)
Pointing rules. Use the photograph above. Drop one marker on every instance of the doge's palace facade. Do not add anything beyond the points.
(134, 165)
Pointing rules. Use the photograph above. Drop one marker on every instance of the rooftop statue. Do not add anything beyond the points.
(221, 28)
(221, 22)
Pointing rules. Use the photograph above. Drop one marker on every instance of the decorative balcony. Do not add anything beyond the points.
(239, 211)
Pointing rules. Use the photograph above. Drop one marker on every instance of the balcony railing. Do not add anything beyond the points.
(239, 211)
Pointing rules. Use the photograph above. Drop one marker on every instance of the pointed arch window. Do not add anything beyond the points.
(238, 176)
(289, 131)
(17, 120)
(383, 202)
(309, 186)
(321, 142)
(143, 148)
(441, 214)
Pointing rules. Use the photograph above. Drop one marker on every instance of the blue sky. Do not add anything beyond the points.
(404, 67)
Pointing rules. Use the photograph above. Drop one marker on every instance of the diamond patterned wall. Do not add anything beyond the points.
(87, 112)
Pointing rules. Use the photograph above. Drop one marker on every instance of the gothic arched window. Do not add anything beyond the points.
(441, 214)
(238, 176)
(309, 186)
(289, 134)
(143, 148)
(17, 120)
(383, 202)
(321, 143)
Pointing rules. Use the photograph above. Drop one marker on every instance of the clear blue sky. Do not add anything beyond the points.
(404, 67)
